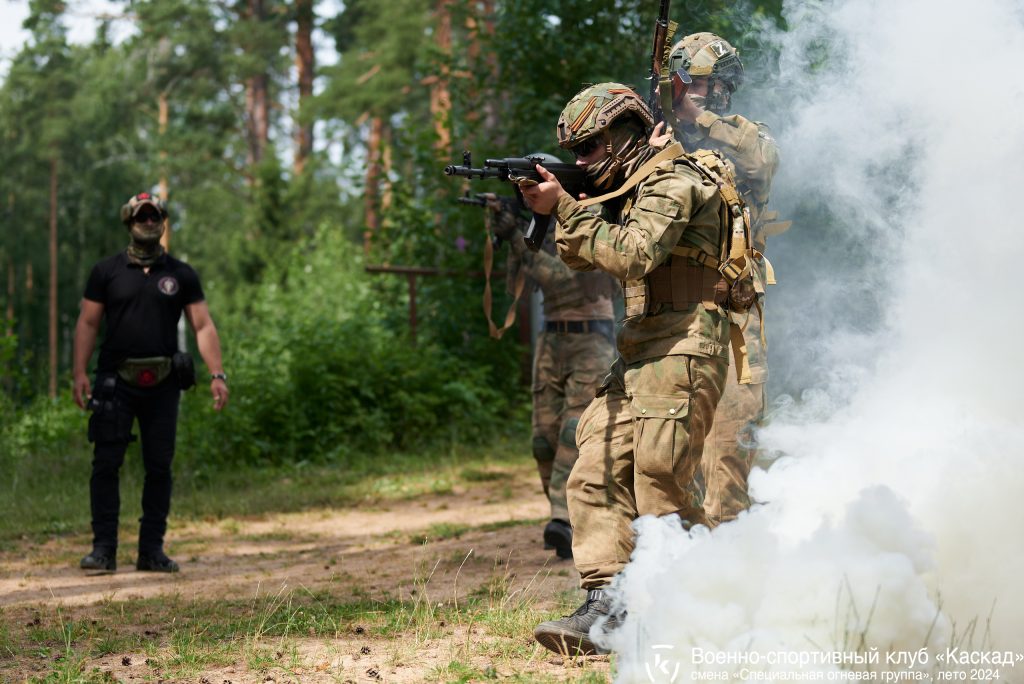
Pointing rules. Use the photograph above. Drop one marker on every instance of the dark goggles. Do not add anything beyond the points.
(586, 147)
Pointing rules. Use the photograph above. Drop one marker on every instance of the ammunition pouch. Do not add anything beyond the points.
(678, 284)
(184, 369)
(148, 372)
(108, 423)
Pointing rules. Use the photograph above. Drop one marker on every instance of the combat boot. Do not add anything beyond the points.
(558, 536)
(155, 561)
(99, 559)
(571, 635)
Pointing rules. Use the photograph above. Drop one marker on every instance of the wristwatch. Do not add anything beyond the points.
(219, 376)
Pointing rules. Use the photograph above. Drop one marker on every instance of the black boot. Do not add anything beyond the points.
(571, 635)
(558, 536)
(100, 559)
(155, 561)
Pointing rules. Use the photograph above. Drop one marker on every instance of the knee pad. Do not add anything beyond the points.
(542, 449)
(568, 434)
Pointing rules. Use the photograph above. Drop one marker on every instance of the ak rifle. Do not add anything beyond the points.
(522, 172)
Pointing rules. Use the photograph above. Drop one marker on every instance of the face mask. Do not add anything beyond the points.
(147, 234)
(625, 142)
(145, 247)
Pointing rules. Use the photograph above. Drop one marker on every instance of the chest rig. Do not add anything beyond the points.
(718, 277)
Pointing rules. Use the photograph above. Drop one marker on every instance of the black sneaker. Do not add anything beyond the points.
(155, 562)
(99, 559)
(571, 635)
(558, 536)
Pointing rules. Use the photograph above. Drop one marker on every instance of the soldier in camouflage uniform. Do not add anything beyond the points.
(701, 123)
(641, 438)
(573, 352)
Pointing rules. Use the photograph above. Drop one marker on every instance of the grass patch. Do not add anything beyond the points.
(481, 475)
(486, 633)
(48, 494)
(442, 531)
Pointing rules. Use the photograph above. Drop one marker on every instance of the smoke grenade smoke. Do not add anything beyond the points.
(893, 515)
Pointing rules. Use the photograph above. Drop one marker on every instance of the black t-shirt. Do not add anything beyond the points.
(142, 309)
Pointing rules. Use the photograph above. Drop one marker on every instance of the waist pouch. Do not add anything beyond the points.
(148, 372)
(184, 369)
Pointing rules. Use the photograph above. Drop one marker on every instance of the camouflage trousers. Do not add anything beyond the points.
(640, 444)
(729, 450)
(567, 370)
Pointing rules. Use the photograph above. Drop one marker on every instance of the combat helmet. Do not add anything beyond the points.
(592, 110)
(611, 114)
(706, 55)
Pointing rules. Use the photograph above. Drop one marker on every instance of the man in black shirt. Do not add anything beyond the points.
(141, 292)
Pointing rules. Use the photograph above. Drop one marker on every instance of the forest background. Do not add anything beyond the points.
(286, 181)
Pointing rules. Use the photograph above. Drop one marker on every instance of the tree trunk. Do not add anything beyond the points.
(305, 65)
(386, 164)
(165, 239)
(257, 103)
(373, 150)
(492, 120)
(53, 278)
(440, 97)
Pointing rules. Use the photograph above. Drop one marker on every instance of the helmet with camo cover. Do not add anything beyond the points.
(706, 55)
(609, 114)
(593, 110)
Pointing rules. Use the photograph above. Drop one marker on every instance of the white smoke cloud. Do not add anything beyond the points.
(894, 517)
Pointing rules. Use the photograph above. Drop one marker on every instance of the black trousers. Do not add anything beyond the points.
(156, 410)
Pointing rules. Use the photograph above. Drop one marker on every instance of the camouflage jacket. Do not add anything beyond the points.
(673, 206)
(751, 149)
(568, 294)
(755, 155)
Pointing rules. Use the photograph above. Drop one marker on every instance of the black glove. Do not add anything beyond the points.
(504, 222)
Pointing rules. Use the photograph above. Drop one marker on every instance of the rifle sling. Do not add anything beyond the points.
(510, 315)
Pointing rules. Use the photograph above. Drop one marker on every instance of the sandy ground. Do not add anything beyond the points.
(361, 553)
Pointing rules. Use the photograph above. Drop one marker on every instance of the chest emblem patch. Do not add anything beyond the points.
(168, 285)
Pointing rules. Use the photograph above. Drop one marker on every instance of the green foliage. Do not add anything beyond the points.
(320, 354)
(321, 367)
(381, 45)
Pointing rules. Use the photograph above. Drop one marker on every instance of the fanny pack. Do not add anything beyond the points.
(148, 372)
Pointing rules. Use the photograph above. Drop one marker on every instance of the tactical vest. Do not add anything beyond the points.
(718, 277)
(694, 274)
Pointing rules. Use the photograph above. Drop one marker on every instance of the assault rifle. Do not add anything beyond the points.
(663, 31)
(522, 171)
(480, 200)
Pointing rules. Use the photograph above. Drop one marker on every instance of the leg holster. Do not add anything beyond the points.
(109, 421)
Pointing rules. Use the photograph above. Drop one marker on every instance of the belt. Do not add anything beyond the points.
(145, 372)
(598, 325)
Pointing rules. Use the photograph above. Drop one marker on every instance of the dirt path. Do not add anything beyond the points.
(445, 547)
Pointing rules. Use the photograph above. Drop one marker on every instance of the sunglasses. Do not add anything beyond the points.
(586, 147)
(147, 217)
